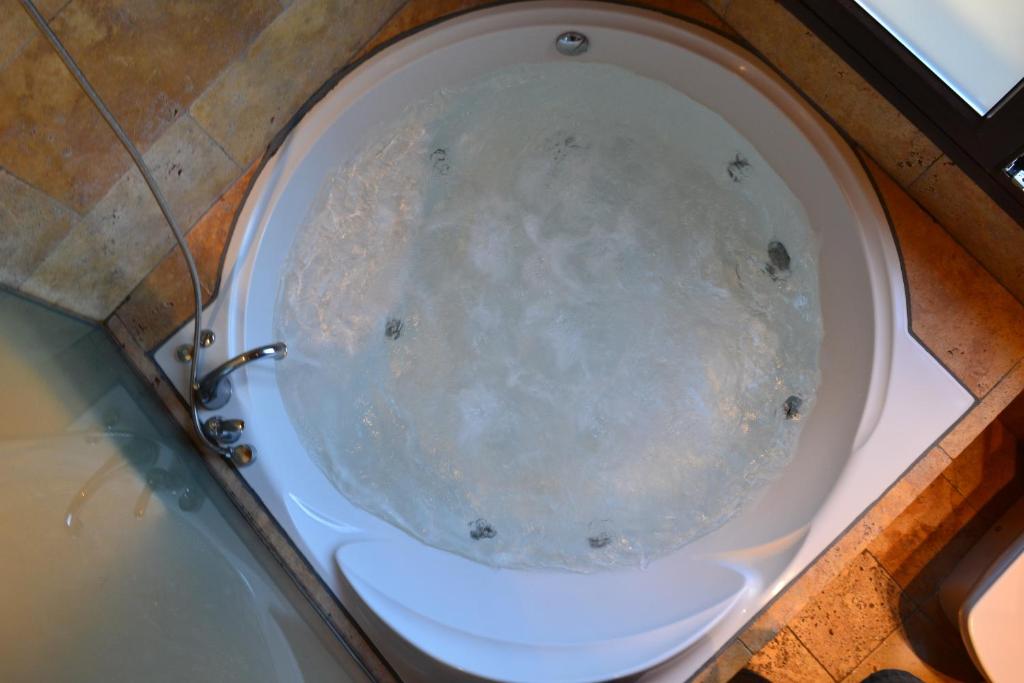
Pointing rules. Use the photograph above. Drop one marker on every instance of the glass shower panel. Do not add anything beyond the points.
(121, 558)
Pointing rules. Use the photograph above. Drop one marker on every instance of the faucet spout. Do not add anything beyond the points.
(214, 390)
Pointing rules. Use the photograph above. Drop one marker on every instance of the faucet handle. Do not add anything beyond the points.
(223, 432)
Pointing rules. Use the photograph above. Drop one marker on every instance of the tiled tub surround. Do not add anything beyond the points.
(201, 87)
(958, 311)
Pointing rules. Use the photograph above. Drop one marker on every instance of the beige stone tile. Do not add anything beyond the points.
(918, 648)
(147, 59)
(976, 221)
(981, 415)
(30, 225)
(16, 29)
(724, 666)
(921, 546)
(786, 660)
(164, 300)
(99, 263)
(971, 323)
(255, 96)
(859, 109)
(851, 617)
(989, 472)
(795, 597)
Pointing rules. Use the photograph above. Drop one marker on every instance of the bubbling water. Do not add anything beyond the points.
(562, 316)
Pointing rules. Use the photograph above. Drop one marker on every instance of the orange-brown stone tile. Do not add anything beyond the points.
(164, 300)
(418, 12)
(976, 221)
(981, 416)
(973, 325)
(796, 596)
(690, 9)
(17, 29)
(148, 59)
(989, 472)
(923, 544)
(786, 660)
(918, 647)
(125, 235)
(851, 617)
(841, 92)
(1013, 417)
(724, 666)
(718, 6)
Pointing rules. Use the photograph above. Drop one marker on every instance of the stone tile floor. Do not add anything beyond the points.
(882, 610)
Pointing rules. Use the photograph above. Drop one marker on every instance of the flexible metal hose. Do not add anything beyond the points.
(161, 201)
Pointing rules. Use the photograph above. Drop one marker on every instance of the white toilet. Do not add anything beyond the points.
(984, 596)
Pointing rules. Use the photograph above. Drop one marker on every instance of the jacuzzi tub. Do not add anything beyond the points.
(883, 398)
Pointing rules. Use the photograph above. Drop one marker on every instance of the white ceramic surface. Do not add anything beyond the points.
(883, 400)
(984, 596)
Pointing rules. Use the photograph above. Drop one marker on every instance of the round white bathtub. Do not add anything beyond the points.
(883, 399)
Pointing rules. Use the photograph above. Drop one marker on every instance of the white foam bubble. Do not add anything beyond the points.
(593, 356)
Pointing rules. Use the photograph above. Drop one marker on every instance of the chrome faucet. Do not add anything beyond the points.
(222, 431)
(214, 390)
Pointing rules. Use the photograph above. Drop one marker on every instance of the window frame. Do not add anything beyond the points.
(982, 146)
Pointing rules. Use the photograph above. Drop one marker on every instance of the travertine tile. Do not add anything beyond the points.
(796, 596)
(982, 415)
(1013, 417)
(690, 9)
(164, 300)
(255, 96)
(148, 59)
(786, 660)
(731, 659)
(918, 648)
(418, 12)
(921, 546)
(976, 221)
(16, 29)
(841, 92)
(720, 7)
(30, 225)
(851, 617)
(96, 266)
(977, 342)
(988, 473)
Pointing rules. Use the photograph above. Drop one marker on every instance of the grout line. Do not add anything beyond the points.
(904, 595)
(923, 172)
(32, 186)
(217, 143)
(21, 49)
(811, 652)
